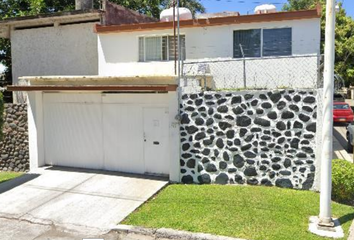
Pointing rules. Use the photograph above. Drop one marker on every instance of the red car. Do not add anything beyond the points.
(342, 112)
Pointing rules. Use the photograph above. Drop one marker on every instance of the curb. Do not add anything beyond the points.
(165, 233)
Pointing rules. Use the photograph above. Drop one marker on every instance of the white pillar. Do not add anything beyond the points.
(174, 145)
(35, 130)
(327, 129)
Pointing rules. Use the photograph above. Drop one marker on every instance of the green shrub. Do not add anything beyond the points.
(1, 114)
(343, 181)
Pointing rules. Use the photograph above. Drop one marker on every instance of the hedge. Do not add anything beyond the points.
(343, 181)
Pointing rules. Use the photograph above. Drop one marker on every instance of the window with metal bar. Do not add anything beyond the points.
(160, 48)
(262, 42)
(277, 42)
(247, 43)
(172, 41)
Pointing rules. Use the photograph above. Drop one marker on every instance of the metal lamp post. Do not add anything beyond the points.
(325, 217)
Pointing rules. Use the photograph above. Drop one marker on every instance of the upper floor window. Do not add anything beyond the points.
(247, 43)
(160, 48)
(262, 42)
(277, 42)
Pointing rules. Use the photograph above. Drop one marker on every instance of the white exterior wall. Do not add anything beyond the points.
(118, 52)
(59, 50)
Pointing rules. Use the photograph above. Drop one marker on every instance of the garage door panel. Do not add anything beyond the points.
(123, 131)
(145, 99)
(73, 135)
(72, 98)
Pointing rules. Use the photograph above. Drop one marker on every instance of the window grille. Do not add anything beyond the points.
(160, 48)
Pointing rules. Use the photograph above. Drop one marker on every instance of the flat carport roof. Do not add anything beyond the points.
(96, 83)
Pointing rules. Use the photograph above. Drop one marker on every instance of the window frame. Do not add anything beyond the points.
(167, 36)
(261, 42)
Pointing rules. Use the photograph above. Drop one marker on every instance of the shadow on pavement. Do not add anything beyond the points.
(112, 173)
(8, 185)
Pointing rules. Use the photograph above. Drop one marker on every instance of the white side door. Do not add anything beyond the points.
(123, 138)
(156, 140)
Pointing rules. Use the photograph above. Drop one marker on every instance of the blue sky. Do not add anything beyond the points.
(248, 5)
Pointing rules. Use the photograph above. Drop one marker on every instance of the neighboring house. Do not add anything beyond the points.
(53, 44)
(126, 118)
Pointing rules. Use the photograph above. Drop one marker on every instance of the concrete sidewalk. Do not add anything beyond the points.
(339, 152)
(90, 202)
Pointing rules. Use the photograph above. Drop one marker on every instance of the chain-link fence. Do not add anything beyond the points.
(256, 73)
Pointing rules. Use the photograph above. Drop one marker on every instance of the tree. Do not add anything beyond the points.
(154, 7)
(5, 59)
(344, 36)
(295, 5)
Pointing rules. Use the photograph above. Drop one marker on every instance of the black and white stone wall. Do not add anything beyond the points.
(255, 137)
(14, 150)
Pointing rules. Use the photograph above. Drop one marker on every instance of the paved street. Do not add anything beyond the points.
(340, 143)
(340, 140)
(11, 229)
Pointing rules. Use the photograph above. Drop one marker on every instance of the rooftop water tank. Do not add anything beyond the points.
(265, 8)
(167, 14)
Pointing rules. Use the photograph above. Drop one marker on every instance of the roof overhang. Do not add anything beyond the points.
(95, 78)
(76, 16)
(48, 88)
(163, 83)
(217, 21)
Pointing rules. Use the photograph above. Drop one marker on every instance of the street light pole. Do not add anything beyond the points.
(325, 217)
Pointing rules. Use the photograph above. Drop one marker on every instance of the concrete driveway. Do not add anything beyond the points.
(75, 200)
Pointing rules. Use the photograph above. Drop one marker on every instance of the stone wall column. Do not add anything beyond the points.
(14, 151)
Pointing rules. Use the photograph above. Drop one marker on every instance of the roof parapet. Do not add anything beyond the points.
(216, 21)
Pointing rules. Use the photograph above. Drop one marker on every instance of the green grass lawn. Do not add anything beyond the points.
(5, 176)
(236, 211)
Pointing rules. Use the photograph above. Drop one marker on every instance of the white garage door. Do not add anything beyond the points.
(118, 132)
